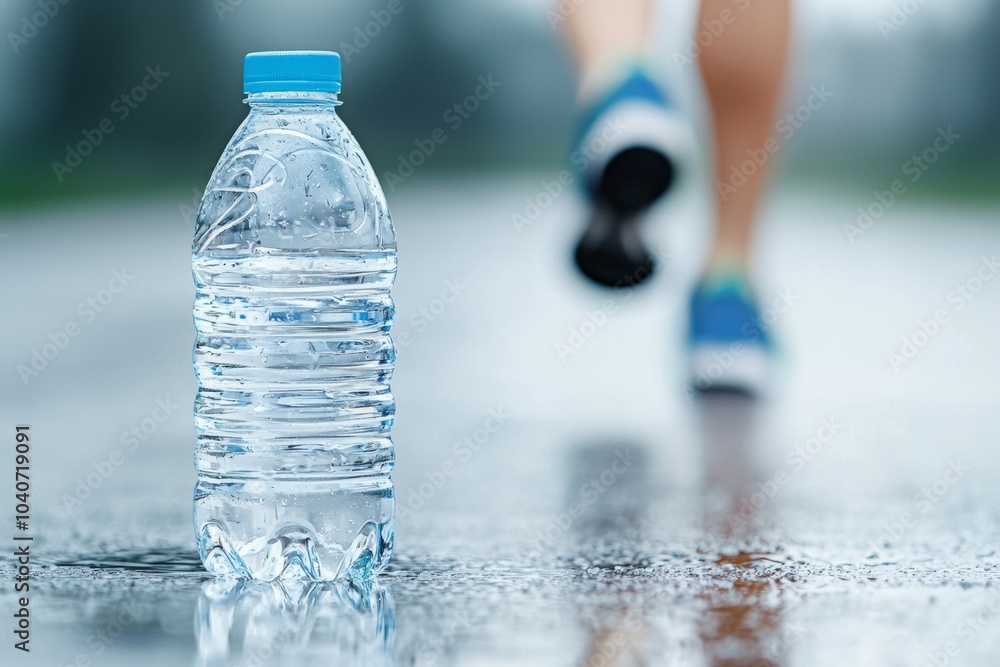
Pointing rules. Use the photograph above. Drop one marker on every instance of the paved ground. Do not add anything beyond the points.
(849, 518)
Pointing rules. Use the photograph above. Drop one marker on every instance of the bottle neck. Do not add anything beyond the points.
(292, 101)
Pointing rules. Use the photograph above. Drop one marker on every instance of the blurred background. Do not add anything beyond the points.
(894, 85)
(848, 563)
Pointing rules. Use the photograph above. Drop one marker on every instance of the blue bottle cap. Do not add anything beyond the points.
(287, 71)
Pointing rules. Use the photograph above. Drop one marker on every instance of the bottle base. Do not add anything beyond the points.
(268, 530)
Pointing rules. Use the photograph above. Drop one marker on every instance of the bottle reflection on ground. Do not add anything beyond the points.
(295, 622)
(742, 622)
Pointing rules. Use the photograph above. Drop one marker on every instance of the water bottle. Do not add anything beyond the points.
(293, 257)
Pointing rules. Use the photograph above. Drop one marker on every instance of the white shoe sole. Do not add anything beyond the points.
(634, 124)
(733, 367)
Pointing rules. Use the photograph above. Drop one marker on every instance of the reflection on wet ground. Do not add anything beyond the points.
(745, 624)
(597, 581)
(609, 521)
(338, 624)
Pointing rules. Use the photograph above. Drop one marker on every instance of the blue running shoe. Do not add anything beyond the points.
(730, 349)
(626, 152)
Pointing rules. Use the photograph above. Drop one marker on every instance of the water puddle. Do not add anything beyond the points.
(167, 561)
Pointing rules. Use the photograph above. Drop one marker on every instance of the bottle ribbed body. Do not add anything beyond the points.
(293, 261)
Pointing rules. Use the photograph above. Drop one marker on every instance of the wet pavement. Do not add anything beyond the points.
(562, 498)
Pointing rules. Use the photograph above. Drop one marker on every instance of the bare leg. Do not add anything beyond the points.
(743, 70)
(604, 34)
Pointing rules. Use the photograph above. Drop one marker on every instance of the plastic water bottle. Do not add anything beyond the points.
(293, 257)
